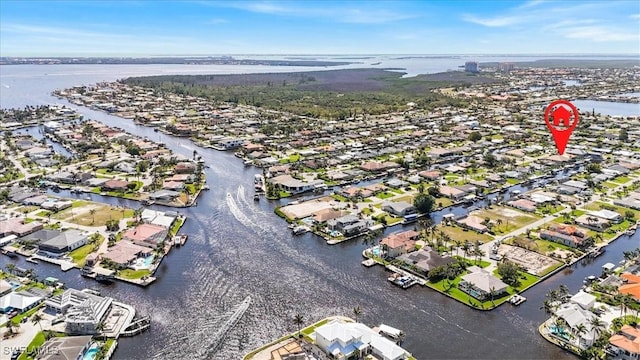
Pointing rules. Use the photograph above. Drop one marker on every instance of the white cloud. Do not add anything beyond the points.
(343, 14)
(217, 21)
(599, 33)
(635, 16)
(497, 21)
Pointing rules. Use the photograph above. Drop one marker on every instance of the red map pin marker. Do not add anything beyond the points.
(562, 118)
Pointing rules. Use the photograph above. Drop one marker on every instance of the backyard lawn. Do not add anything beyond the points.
(133, 274)
(460, 234)
(511, 219)
(78, 255)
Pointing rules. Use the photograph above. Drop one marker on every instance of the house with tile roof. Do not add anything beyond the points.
(625, 345)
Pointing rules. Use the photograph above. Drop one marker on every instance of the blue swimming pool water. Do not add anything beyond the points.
(148, 260)
(376, 251)
(559, 332)
(91, 353)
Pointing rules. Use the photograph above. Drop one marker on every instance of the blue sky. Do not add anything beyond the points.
(140, 28)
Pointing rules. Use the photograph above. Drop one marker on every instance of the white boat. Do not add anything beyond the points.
(299, 230)
(517, 299)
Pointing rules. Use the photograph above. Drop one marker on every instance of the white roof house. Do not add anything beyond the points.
(585, 300)
(607, 215)
(342, 339)
(575, 315)
(18, 300)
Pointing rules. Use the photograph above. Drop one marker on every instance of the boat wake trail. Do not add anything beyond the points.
(237, 213)
(206, 353)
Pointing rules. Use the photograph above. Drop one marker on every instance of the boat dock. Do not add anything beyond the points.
(402, 281)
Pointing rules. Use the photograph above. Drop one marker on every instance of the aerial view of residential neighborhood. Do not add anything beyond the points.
(155, 205)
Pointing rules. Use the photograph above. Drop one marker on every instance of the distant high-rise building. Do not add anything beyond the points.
(471, 66)
(506, 67)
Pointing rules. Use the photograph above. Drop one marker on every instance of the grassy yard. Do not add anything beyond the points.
(385, 195)
(511, 181)
(34, 345)
(103, 213)
(619, 209)
(511, 219)
(340, 198)
(18, 318)
(176, 227)
(451, 288)
(78, 255)
(133, 274)
(460, 234)
(545, 246)
(621, 180)
(443, 202)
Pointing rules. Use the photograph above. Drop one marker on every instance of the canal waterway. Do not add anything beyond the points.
(239, 248)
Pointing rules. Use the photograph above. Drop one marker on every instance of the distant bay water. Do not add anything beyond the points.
(239, 248)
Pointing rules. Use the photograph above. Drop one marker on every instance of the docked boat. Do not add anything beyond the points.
(179, 239)
(32, 260)
(630, 231)
(9, 253)
(517, 299)
(299, 230)
(256, 197)
(402, 281)
(107, 279)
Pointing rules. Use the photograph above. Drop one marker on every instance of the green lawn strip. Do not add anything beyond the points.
(78, 255)
(34, 345)
(397, 191)
(511, 181)
(443, 202)
(133, 274)
(547, 246)
(384, 195)
(284, 194)
(465, 298)
(339, 198)
(176, 227)
(621, 180)
(407, 198)
(18, 318)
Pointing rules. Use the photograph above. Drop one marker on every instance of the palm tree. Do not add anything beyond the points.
(10, 268)
(547, 307)
(492, 293)
(580, 329)
(36, 318)
(499, 222)
(597, 325)
(93, 216)
(357, 311)
(298, 320)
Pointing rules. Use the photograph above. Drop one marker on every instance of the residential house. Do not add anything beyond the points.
(185, 168)
(398, 208)
(452, 192)
(592, 222)
(115, 185)
(148, 235)
(83, 311)
(348, 225)
(164, 195)
(124, 253)
(523, 204)
(430, 175)
(294, 186)
(482, 285)
(425, 259)
(631, 285)
(63, 243)
(21, 301)
(400, 243)
(569, 240)
(576, 316)
(18, 227)
(472, 222)
(625, 345)
(66, 348)
(344, 340)
(608, 215)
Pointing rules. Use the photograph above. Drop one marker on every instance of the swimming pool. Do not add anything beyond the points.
(148, 260)
(376, 251)
(91, 353)
(559, 331)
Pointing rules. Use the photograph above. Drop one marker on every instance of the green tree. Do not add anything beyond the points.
(298, 320)
(424, 203)
(510, 273)
(475, 136)
(357, 311)
(36, 318)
